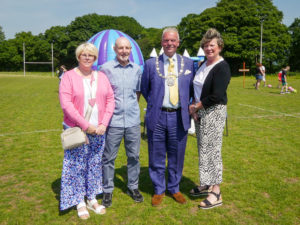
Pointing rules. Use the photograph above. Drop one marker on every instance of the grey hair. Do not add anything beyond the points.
(170, 29)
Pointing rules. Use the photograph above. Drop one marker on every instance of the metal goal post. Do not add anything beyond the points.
(24, 60)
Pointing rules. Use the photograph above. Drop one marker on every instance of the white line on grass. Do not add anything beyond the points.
(255, 107)
(30, 132)
(255, 117)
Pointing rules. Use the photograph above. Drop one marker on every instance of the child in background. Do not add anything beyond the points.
(284, 81)
(61, 71)
(279, 78)
(263, 71)
(258, 75)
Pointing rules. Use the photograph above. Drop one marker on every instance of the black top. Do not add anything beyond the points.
(215, 85)
(284, 72)
(258, 71)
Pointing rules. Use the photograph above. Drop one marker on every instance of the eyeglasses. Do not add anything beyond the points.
(87, 56)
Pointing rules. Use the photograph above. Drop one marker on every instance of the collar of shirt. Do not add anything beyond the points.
(118, 64)
(166, 58)
(203, 71)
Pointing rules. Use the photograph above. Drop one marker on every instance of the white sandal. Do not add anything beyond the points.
(100, 209)
(82, 213)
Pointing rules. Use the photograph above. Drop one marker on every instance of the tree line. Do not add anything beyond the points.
(239, 22)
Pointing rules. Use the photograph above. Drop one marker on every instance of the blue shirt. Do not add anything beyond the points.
(125, 82)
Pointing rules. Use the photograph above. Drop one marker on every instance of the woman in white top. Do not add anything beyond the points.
(209, 113)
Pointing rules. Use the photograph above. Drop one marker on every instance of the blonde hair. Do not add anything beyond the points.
(211, 34)
(86, 47)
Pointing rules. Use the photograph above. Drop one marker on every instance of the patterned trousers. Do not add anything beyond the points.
(82, 172)
(209, 130)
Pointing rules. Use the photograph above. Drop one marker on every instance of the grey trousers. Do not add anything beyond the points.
(132, 140)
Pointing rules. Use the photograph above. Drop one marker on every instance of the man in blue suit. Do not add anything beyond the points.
(167, 87)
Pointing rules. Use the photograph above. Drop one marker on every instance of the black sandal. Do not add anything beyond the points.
(209, 205)
(200, 191)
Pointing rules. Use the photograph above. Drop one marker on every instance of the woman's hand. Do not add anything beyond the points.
(101, 129)
(91, 129)
(195, 107)
(195, 116)
(192, 109)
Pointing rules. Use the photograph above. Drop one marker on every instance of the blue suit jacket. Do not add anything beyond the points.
(153, 90)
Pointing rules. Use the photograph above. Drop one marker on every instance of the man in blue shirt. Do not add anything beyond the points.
(125, 78)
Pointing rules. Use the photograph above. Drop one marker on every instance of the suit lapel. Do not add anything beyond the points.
(178, 63)
(161, 70)
(179, 68)
(161, 64)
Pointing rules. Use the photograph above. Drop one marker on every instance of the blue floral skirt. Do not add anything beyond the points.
(82, 172)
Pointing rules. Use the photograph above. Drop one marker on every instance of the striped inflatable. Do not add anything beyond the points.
(105, 41)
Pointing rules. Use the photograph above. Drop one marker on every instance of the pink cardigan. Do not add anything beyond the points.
(71, 96)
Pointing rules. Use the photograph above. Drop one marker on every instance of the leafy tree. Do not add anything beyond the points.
(83, 28)
(65, 40)
(10, 57)
(58, 35)
(150, 38)
(2, 36)
(239, 22)
(294, 60)
(37, 50)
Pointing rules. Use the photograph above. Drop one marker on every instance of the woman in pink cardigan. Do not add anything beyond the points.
(82, 166)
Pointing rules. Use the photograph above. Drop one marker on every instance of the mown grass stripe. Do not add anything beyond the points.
(29, 132)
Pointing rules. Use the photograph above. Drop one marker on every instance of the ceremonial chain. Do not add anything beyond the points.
(165, 77)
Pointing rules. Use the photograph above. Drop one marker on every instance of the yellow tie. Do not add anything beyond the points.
(173, 89)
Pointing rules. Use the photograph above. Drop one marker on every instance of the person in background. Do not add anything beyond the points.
(284, 80)
(258, 75)
(61, 71)
(167, 88)
(209, 112)
(125, 78)
(263, 71)
(82, 166)
(279, 78)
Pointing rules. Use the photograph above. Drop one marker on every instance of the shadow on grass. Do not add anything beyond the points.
(120, 181)
(144, 132)
(56, 189)
(145, 183)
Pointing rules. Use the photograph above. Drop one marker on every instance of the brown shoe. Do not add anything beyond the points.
(157, 199)
(179, 198)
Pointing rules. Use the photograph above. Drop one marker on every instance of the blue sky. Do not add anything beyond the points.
(39, 15)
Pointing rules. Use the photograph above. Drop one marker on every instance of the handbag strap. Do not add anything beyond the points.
(93, 96)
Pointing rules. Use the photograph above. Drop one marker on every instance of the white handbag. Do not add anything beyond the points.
(74, 136)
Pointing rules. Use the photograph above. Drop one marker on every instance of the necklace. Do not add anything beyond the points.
(171, 80)
(170, 77)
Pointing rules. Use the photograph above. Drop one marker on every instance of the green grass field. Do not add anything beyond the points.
(261, 157)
